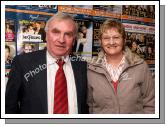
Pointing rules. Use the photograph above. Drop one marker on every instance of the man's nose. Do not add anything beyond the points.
(61, 38)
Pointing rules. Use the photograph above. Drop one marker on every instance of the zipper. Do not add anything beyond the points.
(110, 81)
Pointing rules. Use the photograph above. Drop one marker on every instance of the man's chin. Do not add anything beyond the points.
(60, 54)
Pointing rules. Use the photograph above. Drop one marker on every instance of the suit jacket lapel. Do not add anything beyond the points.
(76, 69)
(41, 81)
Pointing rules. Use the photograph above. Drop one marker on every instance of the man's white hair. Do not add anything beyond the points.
(61, 16)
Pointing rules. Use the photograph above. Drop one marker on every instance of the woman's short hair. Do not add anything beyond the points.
(109, 23)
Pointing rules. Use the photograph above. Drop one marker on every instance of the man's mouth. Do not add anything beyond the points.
(60, 46)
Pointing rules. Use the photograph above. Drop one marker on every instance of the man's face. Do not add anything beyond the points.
(60, 37)
(112, 42)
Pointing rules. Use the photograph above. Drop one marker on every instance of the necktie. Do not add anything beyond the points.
(60, 91)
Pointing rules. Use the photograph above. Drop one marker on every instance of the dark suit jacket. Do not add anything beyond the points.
(26, 90)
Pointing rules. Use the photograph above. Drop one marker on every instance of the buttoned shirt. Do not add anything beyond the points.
(114, 72)
(52, 68)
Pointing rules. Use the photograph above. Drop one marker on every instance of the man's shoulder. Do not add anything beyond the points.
(33, 56)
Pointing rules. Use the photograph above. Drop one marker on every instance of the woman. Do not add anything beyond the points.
(118, 80)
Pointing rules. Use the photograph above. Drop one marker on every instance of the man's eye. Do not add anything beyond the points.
(69, 34)
(55, 32)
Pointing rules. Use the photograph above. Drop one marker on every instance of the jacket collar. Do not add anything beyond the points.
(131, 58)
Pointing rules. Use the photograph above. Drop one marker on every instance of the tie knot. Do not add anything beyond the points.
(60, 62)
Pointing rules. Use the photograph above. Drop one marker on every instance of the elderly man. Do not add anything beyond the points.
(48, 81)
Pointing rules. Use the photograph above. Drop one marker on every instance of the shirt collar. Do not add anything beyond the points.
(52, 60)
(122, 62)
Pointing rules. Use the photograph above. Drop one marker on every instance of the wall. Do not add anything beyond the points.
(22, 35)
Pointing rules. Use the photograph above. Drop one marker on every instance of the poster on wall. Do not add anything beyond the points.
(83, 44)
(142, 44)
(9, 30)
(139, 28)
(30, 34)
(96, 37)
(10, 52)
(147, 11)
(45, 8)
(108, 8)
(27, 47)
(31, 31)
(24, 32)
(39, 8)
(82, 6)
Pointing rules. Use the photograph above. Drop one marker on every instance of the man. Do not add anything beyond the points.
(119, 81)
(32, 86)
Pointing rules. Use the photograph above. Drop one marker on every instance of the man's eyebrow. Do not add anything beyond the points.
(55, 29)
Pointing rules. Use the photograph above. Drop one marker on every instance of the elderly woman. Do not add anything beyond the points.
(119, 81)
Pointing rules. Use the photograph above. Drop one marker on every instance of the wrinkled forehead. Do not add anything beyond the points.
(62, 24)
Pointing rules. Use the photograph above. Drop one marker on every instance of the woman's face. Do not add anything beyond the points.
(112, 42)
